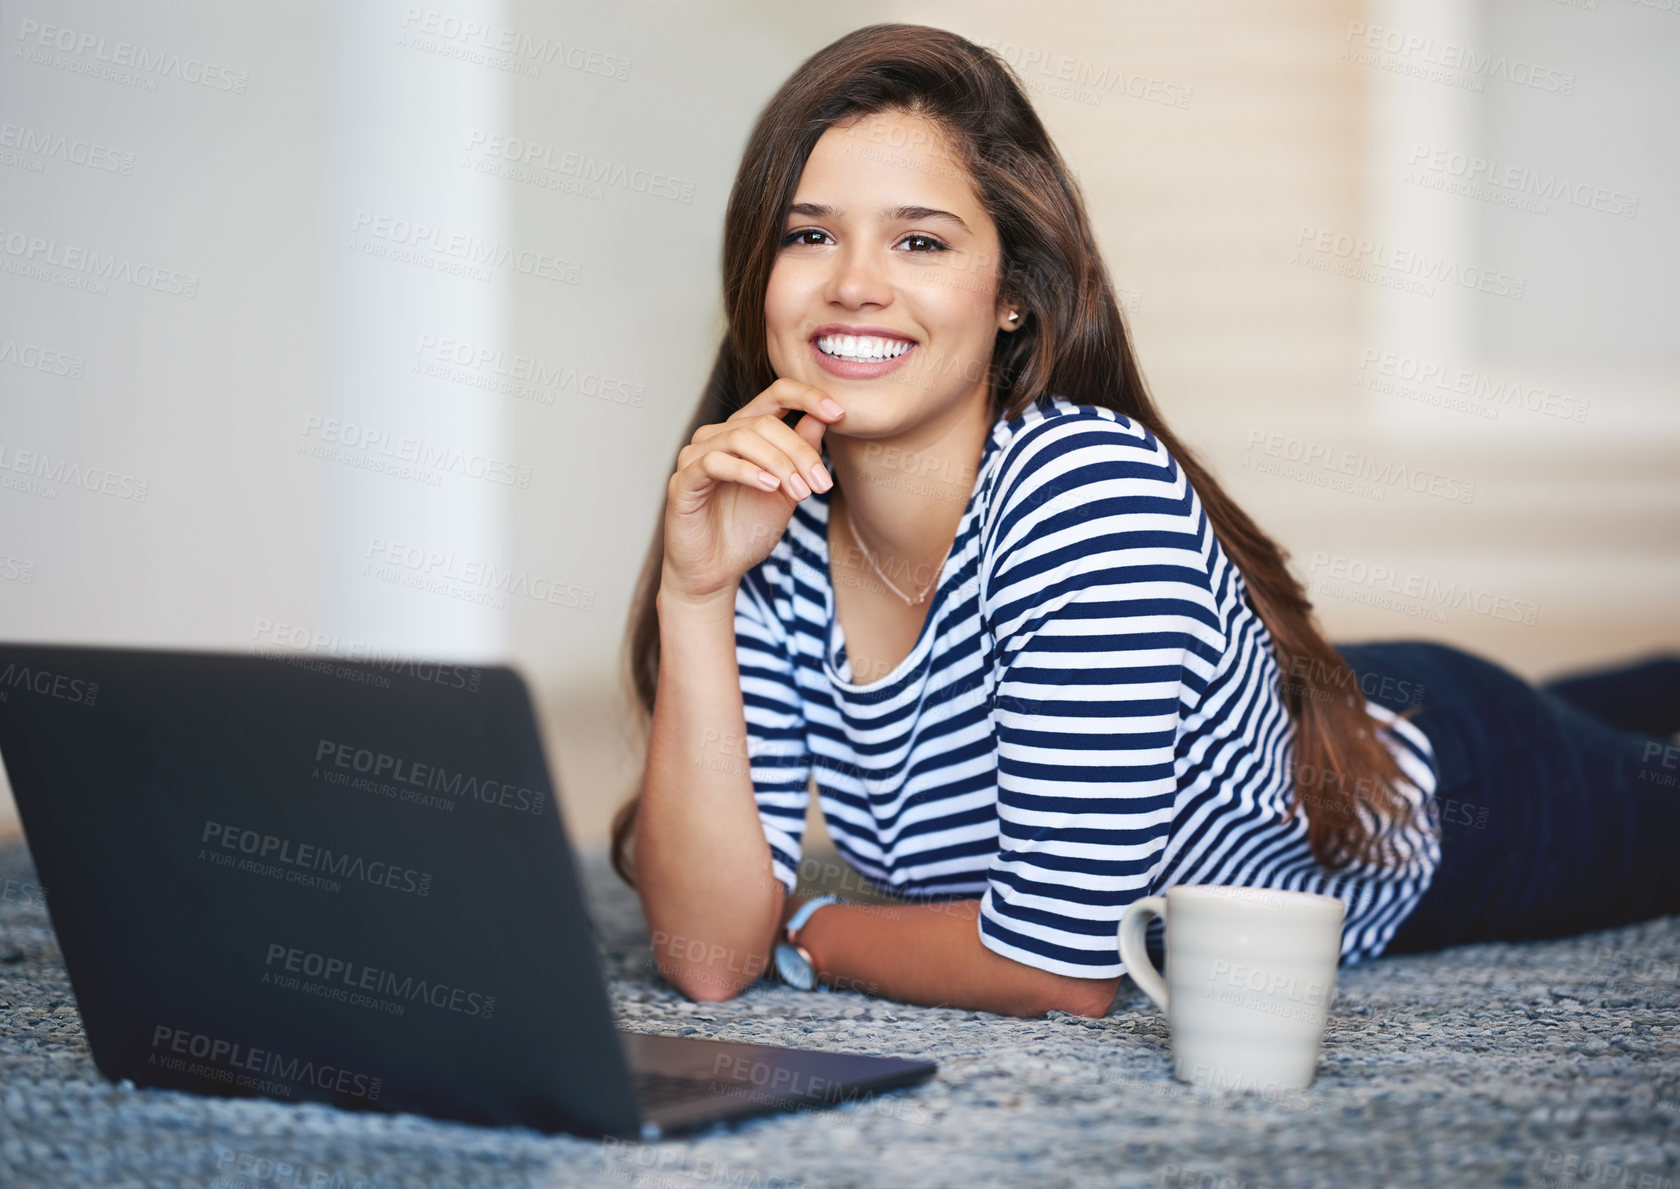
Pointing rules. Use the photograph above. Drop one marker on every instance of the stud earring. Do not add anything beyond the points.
(1014, 315)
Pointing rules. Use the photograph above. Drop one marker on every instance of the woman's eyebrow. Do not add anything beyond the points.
(903, 214)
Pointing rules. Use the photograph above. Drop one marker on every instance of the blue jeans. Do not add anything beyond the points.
(1559, 804)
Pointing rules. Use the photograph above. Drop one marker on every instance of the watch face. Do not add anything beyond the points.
(793, 967)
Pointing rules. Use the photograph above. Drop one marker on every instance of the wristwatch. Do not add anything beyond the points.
(793, 961)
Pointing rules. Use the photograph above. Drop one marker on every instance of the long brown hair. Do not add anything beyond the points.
(1072, 342)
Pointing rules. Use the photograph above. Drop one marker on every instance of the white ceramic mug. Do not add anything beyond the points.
(1250, 973)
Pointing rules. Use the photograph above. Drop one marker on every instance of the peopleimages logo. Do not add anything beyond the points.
(1517, 181)
(379, 765)
(1420, 588)
(298, 644)
(1430, 381)
(347, 441)
(574, 171)
(523, 376)
(142, 61)
(44, 145)
(31, 472)
(48, 684)
(436, 572)
(1334, 460)
(35, 358)
(36, 256)
(1315, 679)
(1083, 79)
(1425, 57)
(1413, 269)
(296, 861)
(244, 1065)
(358, 976)
(475, 38)
(421, 243)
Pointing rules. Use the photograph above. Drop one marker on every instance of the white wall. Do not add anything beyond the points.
(1206, 136)
(1530, 142)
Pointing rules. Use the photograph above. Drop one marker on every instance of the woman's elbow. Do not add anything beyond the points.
(707, 990)
(706, 983)
(1088, 997)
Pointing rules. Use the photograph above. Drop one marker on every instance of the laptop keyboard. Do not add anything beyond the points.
(663, 1089)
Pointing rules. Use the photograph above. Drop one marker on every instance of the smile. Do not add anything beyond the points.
(861, 348)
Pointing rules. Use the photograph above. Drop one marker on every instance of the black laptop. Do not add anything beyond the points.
(346, 881)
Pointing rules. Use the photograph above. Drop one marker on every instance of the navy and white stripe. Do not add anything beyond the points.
(1091, 713)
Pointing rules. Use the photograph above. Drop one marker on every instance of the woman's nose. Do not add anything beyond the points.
(859, 278)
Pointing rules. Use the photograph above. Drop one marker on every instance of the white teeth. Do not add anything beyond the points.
(862, 348)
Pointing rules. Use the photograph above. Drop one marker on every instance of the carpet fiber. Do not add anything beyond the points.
(1552, 1063)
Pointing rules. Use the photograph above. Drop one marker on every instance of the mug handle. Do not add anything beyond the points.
(1134, 955)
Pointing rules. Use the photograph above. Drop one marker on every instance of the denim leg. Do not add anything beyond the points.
(1643, 696)
(1553, 822)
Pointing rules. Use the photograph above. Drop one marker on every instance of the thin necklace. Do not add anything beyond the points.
(870, 558)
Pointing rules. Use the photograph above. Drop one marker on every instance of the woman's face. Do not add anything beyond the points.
(883, 292)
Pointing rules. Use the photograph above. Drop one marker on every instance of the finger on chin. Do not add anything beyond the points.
(810, 427)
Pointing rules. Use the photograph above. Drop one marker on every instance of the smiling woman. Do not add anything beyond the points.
(893, 233)
(931, 543)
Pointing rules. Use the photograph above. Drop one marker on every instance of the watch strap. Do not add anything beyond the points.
(797, 921)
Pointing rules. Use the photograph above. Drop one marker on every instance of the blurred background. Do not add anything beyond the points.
(373, 329)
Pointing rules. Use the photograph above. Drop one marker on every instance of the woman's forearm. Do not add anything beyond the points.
(932, 955)
(702, 864)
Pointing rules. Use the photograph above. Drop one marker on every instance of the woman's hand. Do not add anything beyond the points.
(736, 483)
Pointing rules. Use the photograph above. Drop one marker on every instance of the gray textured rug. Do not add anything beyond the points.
(1538, 1064)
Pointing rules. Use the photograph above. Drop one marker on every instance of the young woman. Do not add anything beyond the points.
(932, 543)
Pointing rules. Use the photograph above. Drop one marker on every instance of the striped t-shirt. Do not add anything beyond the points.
(1090, 714)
